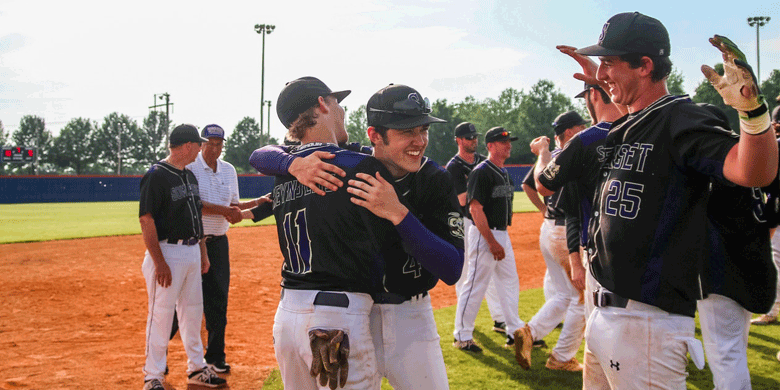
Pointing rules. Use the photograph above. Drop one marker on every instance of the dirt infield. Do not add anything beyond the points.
(74, 312)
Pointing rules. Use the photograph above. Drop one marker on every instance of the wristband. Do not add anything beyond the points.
(762, 109)
(754, 125)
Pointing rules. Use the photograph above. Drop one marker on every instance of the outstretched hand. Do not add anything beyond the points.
(540, 144)
(378, 196)
(312, 172)
(738, 85)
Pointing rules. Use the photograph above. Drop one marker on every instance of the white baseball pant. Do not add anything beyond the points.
(407, 345)
(297, 315)
(478, 274)
(639, 347)
(775, 311)
(491, 295)
(564, 302)
(183, 295)
(724, 328)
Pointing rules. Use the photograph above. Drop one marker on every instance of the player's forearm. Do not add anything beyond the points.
(462, 198)
(271, 160)
(544, 158)
(213, 209)
(753, 161)
(480, 221)
(248, 204)
(149, 234)
(437, 255)
(533, 196)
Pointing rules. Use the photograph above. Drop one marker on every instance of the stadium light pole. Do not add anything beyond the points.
(263, 29)
(268, 103)
(758, 21)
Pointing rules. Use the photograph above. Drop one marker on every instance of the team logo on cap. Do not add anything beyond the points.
(415, 97)
(603, 32)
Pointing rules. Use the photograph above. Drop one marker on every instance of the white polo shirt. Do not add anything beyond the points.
(219, 188)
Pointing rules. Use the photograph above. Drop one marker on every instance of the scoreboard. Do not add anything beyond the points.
(18, 155)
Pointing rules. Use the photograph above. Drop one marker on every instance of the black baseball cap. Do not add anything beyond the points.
(567, 120)
(398, 106)
(212, 131)
(629, 33)
(301, 94)
(498, 134)
(182, 134)
(465, 129)
(587, 88)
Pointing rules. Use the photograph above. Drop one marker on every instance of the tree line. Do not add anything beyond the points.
(119, 145)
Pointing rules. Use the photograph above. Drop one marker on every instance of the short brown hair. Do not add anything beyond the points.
(305, 121)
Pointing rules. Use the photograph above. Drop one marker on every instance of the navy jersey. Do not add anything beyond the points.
(739, 263)
(492, 187)
(649, 220)
(171, 196)
(328, 242)
(460, 169)
(579, 162)
(552, 210)
(430, 196)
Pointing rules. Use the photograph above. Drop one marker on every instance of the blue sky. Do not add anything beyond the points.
(62, 60)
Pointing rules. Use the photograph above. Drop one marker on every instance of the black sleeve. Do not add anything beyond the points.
(529, 178)
(479, 186)
(459, 177)
(263, 211)
(152, 198)
(568, 203)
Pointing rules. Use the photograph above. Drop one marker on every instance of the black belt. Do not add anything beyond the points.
(186, 241)
(395, 299)
(212, 237)
(334, 299)
(560, 222)
(604, 298)
(498, 228)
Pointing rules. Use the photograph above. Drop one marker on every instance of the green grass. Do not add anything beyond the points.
(496, 368)
(59, 221)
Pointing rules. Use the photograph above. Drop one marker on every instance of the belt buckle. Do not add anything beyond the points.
(599, 297)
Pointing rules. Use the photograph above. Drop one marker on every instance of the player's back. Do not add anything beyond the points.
(328, 242)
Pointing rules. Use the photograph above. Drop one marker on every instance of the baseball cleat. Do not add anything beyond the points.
(468, 346)
(499, 327)
(523, 344)
(153, 384)
(571, 365)
(220, 367)
(206, 377)
(764, 319)
(510, 342)
(539, 344)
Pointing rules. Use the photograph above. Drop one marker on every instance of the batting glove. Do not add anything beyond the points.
(330, 353)
(738, 87)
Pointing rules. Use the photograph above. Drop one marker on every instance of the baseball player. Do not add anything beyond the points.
(739, 275)
(490, 194)
(770, 317)
(170, 218)
(647, 231)
(406, 355)
(402, 324)
(459, 167)
(554, 246)
(218, 184)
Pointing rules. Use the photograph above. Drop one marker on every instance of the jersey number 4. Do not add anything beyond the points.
(298, 243)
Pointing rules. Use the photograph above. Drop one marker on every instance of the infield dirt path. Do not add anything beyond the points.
(74, 311)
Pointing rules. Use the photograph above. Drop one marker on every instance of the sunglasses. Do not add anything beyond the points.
(413, 105)
(470, 137)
